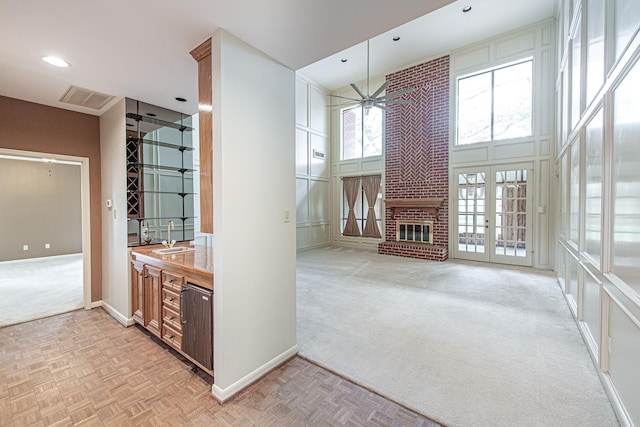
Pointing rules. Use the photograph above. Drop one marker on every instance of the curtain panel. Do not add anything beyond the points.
(371, 185)
(351, 189)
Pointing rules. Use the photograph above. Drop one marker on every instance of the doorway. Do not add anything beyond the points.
(58, 258)
(492, 218)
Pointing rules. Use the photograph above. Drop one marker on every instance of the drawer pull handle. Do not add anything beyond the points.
(171, 281)
(171, 337)
(171, 299)
(171, 318)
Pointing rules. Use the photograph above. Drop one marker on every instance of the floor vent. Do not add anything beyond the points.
(86, 98)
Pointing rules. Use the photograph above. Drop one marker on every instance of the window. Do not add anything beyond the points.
(358, 219)
(495, 104)
(361, 133)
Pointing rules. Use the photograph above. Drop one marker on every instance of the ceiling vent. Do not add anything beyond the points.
(86, 98)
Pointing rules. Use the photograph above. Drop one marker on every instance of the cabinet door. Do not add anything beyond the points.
(137, 291)
(152, 301)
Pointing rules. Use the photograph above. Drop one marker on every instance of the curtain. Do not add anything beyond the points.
(351, 189)
(371, 186)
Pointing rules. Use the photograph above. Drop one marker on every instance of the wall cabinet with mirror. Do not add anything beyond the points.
(159, 174)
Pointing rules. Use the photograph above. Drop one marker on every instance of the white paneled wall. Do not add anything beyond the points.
(598, 162)
(313, 192)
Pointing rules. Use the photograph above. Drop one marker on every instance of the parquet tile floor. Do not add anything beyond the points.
(83, 369)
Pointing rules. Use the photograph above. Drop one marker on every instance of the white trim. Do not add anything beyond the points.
(222, 395)
(86, 211)
(96, 304)
(120, 318)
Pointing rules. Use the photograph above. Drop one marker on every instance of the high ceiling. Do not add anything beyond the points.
(140, 49)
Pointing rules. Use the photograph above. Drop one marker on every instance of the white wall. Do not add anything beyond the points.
(313, 190)
(598, 126)
(538, 42)
(254, 184)
(115, 262)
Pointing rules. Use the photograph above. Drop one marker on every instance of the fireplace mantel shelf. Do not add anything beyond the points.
(430, 205)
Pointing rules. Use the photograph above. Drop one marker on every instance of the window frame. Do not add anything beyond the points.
(492, 70)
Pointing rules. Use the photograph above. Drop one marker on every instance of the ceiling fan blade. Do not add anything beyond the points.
(394, 101)
(380, 89)
(397, 93)
(342, 105)
(353, 85)
(382, 107)
(345, 97)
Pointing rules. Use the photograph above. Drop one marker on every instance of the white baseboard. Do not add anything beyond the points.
(222, 395)
(122, 319)
(96, 304)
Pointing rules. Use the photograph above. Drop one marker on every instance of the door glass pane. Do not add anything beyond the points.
(511, 213)
(593, 197)
(626, 180)
(575, 75)
(574, 193)
(471, 218)
(595, 47)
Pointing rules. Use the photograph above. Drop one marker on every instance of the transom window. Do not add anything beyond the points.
(361, 132)
(495, 104)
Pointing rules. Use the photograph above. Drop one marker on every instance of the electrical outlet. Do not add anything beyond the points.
(286, 215)
(25, 247)
(47, 245)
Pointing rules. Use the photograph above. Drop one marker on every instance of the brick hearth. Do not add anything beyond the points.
(417, 156)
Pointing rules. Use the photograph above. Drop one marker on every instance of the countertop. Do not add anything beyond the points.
(196, 264)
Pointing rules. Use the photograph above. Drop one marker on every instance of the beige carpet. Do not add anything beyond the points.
(39, 287)
(466, 344)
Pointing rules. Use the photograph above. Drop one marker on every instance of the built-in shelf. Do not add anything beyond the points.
(158, 167)
(154, 121)
(160, 144)
(429, 205)
(159, 173)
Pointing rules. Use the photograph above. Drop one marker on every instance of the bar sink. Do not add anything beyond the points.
(172, 251)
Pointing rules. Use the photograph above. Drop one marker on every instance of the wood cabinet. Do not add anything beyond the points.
(171, 326)
(156, 285)
(152, 303)
(137, 291)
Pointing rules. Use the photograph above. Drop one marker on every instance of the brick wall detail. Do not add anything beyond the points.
(417, 155)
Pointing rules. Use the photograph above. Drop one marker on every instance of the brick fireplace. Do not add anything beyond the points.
(417, 159)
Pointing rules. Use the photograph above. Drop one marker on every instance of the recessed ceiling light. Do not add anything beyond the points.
(396, 38)
(55, 61)
(343, 60)
(466, 9)
(180, 99)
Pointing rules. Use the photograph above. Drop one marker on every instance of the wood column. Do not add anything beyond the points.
(202, 54)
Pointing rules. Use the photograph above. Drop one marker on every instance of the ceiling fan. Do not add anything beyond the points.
(374, 99)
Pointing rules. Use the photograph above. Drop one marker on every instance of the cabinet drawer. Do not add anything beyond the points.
(172, 337)
(171, 318)
(171, 299)
(172, 281)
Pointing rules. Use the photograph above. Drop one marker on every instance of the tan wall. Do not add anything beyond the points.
(34, 127)
(41, 204)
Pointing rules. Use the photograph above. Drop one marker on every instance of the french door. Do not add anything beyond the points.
(492, 218)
